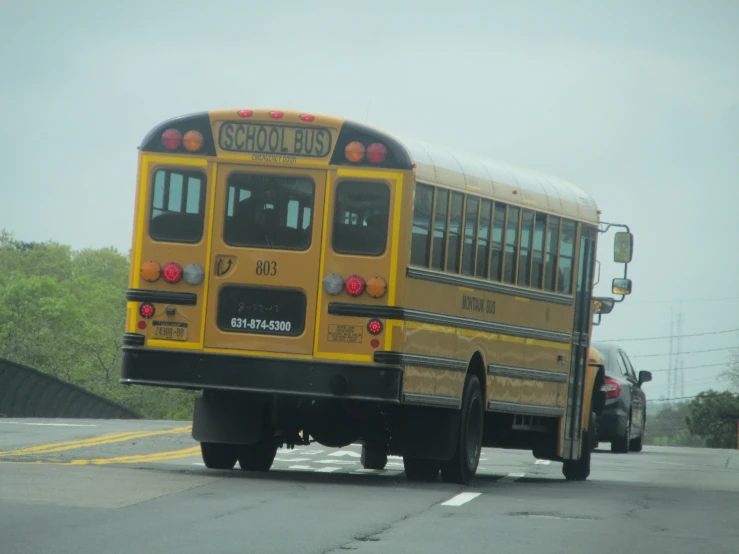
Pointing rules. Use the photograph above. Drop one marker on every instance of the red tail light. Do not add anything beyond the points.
(354, 285)
(374, 326)
(245, 113)
(611, 388)
(171, 139)
(307, 117)
(376, 153)
(147, 311)
(172, 272)
(276, 115)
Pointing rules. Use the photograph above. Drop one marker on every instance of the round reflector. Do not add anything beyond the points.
(193, 141)
(193, 274)
(333, 284)
(354, 285)
(307, 117)
(141, 325)
(171, 139)
(374, 343)
(374, 326)
(354, 152)
(150, 271)
(245, 113)
(172, 272)
(376, 153)
(147, 310)
(376, 287)
(276, 115)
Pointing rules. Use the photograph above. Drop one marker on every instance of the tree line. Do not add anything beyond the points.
(63, 312)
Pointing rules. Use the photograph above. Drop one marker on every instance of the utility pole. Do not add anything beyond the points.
(671, 364)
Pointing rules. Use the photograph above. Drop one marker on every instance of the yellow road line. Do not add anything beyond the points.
(134, 459)
(95, 441)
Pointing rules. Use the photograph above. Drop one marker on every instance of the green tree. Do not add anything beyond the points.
(713, 416)
(669, 428)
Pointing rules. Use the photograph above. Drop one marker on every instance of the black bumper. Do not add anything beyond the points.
(611, 425)
(307, 378)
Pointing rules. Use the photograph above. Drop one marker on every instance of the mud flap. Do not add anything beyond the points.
(426, 433)
(229, 418)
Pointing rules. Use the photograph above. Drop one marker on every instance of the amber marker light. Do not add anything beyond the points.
(193, 141)
(354, 152)
(376, 287)
(150, 271)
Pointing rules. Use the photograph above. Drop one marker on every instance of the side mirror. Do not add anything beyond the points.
(644, 377)
(621, 286)
(623, 247)
(603, 305)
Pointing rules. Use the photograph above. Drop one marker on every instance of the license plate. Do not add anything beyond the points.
(169, 330)
(261, 310)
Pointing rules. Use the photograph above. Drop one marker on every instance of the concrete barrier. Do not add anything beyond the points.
(26, 392)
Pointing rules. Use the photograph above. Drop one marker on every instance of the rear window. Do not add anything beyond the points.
(361, 216)
(269, 211)
(177, 206)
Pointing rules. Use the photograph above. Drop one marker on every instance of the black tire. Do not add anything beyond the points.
(463, 465)
(620, 445)
(637, 444)
(417, 469)
(373, 457)
(257, 457)
(218, 455)
(579, 470)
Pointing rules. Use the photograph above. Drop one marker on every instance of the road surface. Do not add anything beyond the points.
(88, 486)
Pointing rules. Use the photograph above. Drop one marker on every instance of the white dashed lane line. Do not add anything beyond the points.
(543, 462)
(461, 498)
(512, 477)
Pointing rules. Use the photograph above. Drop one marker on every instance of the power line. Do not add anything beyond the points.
(690, 352)
(689, 367)
(639, 302)
(672, 336)
(680, 398)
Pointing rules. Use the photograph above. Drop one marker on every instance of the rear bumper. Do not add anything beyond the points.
(306, 378)
(611, 424)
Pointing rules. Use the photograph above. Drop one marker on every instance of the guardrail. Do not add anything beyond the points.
(27, 392)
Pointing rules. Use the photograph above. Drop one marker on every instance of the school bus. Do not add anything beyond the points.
(322, 280)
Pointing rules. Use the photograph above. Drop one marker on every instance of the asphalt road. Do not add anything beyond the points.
(139, 487)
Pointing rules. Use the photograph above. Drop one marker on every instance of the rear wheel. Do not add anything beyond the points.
(219, 455)
(374, 457)
(257, 457)
(463, 465)
(417, 469)
(620, 445)
(579, 470)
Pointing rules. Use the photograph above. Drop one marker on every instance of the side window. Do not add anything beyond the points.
(421, 234)
(566, 256)
(455, 232)
(268, 211)
(177, 206)
(550, 271)
(496, 260)
(470, 236)
(621, 365)
(483, 239)
(511, 245)
(438, 254)
(627, 362)
(524, 256)
(537, 266)
(361, 213)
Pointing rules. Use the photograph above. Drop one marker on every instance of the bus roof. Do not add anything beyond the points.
(504, 182)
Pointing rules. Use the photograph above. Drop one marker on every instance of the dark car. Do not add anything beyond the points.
(624, 417)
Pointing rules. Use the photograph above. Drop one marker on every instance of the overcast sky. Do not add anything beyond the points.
(638, 103)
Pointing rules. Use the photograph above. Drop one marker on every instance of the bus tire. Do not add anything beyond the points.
(257, 457)
(419, 469)
(373, 457)
(218, 455)
(579, 470)
(461, 468)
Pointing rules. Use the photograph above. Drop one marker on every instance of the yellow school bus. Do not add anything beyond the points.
(322, 280)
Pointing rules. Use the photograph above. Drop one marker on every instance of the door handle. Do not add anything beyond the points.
(220, 271)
